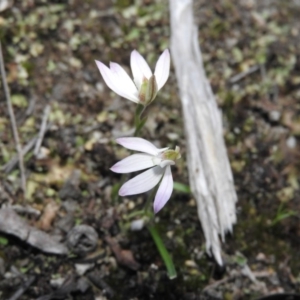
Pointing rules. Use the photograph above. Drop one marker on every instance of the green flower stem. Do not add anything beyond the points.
(139, 122)
(138, 113)
(163, 251)
(142, 213)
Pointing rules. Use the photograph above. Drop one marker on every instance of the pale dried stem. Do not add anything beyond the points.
(42, 131)
(210, 174)
(13, 123)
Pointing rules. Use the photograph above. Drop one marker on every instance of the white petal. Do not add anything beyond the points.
(162, 69)
(107, 76)
(142, 183)
(138, 144)
(139, 68)
(124, 82)
(111, 79)
(166, 162)
(133, 163)
(164, 191)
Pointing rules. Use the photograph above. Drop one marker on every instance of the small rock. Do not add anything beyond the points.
(261, 257)
(137, 225)
(190, 264)
(274, 115)
(82, 268)
(57, 282)
(83, 285)
(172, 136)
(291, 142)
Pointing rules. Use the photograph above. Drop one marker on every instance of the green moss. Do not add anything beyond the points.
(253, 234)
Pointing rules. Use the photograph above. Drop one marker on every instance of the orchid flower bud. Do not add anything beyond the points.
(148, 90)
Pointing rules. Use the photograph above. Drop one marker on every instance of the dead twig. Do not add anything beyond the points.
(13, 122)
(30, 109)
(5, 196)
(236, 78)
(31, 106)
(23, 288)
(96, 278)
(21, 209)
(8, 167)
(11, 223)
(43, 129)
(218, 283)
(72, 284)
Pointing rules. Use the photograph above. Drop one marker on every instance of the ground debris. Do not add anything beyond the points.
(124, 257)
(70, 285)
(82, 239)
(70, 187)
(20, 291)
(96, 278)
(48, 215)
(11, 223)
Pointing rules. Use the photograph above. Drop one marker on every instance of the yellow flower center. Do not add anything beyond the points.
(172, 154)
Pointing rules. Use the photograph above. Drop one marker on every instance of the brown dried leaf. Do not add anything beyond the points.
(48, 215)
(124, 257)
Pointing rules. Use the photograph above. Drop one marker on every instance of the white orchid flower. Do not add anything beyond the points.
(158, 161)
(145, 85)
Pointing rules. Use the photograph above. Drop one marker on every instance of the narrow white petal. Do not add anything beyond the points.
(139, 68)
(142, 183)
(107, 76)
(164, 191)
(111, 80)
(124, 82)
(162, 69)
(133, 163)
(138, 144)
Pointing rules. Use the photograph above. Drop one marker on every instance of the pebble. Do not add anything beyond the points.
(291, 142)
(82, 268)
(274, 115)
(137, 225)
